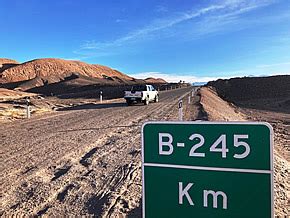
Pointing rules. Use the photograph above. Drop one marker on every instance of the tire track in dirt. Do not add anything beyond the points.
(103, 196)
(118, 201)
(30, 154)
(81, 176)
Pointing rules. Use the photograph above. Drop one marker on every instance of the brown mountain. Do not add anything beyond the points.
(246, 88)
(50, 76)
(56, 70)
(7, 94)
(266, 93)
(152, 80)
(6, 63)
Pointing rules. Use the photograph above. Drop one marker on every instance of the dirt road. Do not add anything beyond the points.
(79, 161)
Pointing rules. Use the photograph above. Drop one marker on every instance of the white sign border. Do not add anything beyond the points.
(210, 122)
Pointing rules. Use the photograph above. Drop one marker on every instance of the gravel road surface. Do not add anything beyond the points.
(83, 160)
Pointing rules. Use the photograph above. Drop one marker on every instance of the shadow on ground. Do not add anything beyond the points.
(100, 128)
(93, 106)
(136, 212)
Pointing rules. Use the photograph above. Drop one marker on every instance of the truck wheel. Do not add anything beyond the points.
(156, 98)
(146, 101)
(129, 102)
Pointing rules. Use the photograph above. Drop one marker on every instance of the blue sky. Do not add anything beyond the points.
(192, 40)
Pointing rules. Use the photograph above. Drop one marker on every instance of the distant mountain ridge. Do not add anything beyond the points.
(155, 80)
(6, 63)
(57, 69)
(246, 88)
(58, 76)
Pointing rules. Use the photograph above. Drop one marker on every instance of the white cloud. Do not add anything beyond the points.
(173, 78)
(120, 20)
(214, 17)
(157, 25)
(195, 79)
(161, 9)
(279, 73)
(274, 65)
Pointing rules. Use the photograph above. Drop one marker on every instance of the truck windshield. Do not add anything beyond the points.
(139, 88)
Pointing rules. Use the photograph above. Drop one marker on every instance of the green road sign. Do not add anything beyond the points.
(207, 169)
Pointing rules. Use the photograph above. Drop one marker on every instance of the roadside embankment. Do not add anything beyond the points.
(218, 109)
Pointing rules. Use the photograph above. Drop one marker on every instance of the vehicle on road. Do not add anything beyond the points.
(141, 94)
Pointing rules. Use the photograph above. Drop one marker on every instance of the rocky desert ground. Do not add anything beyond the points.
(82, 157)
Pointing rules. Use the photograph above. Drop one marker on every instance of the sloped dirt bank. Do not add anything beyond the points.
(220, 110)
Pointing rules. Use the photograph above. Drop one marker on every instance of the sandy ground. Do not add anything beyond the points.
(6, 94)
(280, 123)
(81, 161)
(84, 159)
(220, 110)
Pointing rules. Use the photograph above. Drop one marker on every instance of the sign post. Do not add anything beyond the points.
(27, 107)
(207, 169)
(180, 112)
(101, 96)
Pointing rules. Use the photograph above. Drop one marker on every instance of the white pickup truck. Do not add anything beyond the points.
(141, 93)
